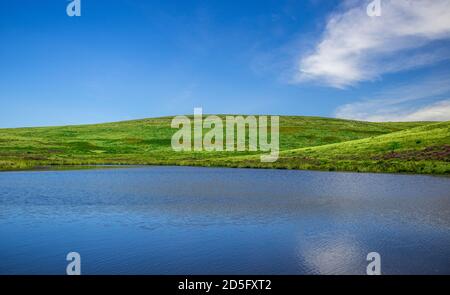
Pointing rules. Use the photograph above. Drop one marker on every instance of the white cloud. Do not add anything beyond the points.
(439, 111)
(425, 101)
(355, 47)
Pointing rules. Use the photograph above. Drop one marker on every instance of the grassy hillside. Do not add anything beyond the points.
(424, 149)
(305, 143)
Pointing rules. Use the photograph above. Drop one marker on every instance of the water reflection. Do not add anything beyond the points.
(182, 220)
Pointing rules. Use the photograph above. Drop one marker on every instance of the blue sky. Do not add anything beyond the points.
(135, 59)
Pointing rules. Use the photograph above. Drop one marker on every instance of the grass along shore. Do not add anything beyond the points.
(305, 143)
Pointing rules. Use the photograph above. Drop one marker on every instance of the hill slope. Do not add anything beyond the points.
(305, 143)
(424, 149)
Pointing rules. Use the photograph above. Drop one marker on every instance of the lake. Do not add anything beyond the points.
(187, 220)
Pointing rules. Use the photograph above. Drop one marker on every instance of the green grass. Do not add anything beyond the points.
(305, 143)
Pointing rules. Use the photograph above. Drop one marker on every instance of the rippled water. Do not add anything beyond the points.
(184, 220)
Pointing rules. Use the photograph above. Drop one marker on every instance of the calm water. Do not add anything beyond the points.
(184, 220)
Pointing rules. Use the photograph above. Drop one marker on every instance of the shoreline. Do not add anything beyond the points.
(56, 168)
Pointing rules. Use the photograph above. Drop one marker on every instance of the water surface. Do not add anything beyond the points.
(185, 220)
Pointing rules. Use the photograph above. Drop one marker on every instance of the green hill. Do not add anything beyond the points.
(305, 143)
(424, 149)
